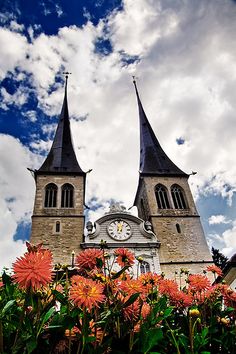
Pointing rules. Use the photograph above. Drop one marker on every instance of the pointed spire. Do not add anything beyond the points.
(153, 159)
(61, 157)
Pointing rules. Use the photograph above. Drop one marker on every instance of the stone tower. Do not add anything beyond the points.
(58, 219)
(164, 198)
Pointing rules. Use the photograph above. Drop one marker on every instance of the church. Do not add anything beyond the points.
(167, 234)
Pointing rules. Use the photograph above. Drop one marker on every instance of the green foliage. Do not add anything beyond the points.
(47, 320)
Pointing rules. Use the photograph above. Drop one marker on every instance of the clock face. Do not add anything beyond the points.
(119, 230)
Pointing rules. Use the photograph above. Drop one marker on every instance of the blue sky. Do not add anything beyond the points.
(183, 54)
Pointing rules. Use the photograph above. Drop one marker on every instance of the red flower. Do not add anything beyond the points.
(90, 258)
(131, 312)
(168, 286)
(181, 299)
(198, 282)
(145, 311)
(214, 269)
(33, 270)
(131, 286)
(229, 295)
(124, 257)
(150, 280)
(86, 293)
(1, 284)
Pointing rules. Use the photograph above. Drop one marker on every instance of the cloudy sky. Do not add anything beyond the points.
(183, 54)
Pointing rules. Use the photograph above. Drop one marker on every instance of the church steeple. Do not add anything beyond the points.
(153, 159)
(61, 157)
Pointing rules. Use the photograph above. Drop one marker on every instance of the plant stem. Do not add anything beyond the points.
(173, 336)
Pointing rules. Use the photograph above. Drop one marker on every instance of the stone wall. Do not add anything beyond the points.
(186, 244)
(71, 220)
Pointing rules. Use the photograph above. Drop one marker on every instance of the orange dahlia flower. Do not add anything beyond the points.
(124, 257)
(86, 293)
(132, 312)
(90, 258)
(131, 286)
(214, 269)
(150, 280)
(198, 282)
(33, 270)
(181, 299)
(168, 287)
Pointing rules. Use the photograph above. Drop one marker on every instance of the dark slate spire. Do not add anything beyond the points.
(61, 157)
(153, 159)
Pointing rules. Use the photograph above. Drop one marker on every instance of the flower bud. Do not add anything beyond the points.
(194, 313)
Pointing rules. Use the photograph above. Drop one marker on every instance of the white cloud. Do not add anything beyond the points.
(15, 49)
(229, 237)
(218, 219)
(16, 99)
(16, 195)
(187, 83)
(31, 115)
(16, 27)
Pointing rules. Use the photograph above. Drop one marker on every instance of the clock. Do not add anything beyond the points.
(119, 230)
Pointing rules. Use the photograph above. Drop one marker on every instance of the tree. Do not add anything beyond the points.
(218, 258)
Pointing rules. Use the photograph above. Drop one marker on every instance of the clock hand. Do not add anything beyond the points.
(119, 228)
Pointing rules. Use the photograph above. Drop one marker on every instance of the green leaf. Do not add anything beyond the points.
(151, 338)
(131, 300)
(60, 297)
(167, 312)
(31, 345)
(117, 275)
(48, 315)
(54, 326)
(8, 306)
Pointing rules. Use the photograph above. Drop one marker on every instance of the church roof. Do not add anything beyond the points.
(61, 157)
(153, 159)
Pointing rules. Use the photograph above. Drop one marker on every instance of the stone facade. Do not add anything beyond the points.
(182, 246)
(142, 241)
(71, 220)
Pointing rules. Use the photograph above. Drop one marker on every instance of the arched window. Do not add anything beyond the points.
(144, 267)
(50, 200)
(162, 197)
(67, 196)
(178, 197)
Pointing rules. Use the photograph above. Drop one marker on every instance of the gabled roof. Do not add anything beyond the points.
(61, 157)
(153, 159)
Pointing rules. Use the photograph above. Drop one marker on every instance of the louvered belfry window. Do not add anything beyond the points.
(50, 200)
(178, 197)
(162, 197)
(67, 196)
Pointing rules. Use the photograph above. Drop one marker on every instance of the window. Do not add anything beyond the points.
(162, 197)
(67, 196)
(58, 226)
(178, 228)
(178, 197)
(144, 267)
(50, 200)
